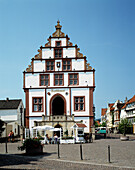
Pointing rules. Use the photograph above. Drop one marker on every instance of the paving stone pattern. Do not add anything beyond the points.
(95, 156)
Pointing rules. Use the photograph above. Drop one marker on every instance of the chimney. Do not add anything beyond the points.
(126, 100)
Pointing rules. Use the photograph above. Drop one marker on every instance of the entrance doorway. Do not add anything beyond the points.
(58, 132)
(58, 106)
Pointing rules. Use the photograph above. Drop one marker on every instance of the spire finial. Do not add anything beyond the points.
(58, 26)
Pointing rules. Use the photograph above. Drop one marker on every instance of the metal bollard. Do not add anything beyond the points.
(81, 151)
(58, 150)
(6, 145)
(109, 153)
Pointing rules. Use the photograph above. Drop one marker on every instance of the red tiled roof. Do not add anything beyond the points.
(103, 111)
(129, 101)
(111, 104)
(98, 122)
(112, 108)
(81, 125)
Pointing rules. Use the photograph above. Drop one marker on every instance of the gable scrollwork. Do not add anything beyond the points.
(79, 55)
(88, 67)
(48, 44)
(29, 69)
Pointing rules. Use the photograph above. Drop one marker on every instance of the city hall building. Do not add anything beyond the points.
(59, 85)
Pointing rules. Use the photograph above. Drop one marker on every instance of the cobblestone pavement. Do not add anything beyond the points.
(95, 156)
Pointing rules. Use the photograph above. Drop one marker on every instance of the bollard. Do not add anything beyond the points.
(109, 153)
(58, 150)
(6, 145)
(81, 151)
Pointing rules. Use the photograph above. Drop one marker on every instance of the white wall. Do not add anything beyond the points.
(80, 92)
(63, 41)
(47, 53)
(32, 119)
(86, 79)
(8, 112)
(78, 64)
(69, 52)
(39, 65)
(33, 80)
(123, 114)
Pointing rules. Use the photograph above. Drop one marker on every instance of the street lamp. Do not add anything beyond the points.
(21, 111)
(93, 113)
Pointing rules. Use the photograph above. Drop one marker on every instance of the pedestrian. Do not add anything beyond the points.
(90, 137)
(56, 138)
(11, 136)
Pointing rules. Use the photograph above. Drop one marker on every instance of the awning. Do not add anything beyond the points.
(46, 127)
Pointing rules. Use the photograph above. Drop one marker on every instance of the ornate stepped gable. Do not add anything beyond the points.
(58, 33)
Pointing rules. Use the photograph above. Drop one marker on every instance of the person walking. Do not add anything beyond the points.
(11, 136)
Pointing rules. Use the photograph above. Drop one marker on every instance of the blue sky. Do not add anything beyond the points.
(104, 30)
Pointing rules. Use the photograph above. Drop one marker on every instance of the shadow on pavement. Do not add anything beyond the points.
(18, 159)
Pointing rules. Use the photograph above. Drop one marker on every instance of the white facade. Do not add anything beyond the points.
(12, 117)
(59, 72)
(109, 116)
(128, 110)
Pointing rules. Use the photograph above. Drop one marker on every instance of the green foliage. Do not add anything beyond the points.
(1, 127)
(124, 126)
(30, 143)
(96, 124)
(103, 124)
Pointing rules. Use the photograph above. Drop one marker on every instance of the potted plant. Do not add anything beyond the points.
(123, 128)
(31, 146)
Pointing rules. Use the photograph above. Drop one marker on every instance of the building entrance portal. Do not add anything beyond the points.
(58, 106)
(58, 132)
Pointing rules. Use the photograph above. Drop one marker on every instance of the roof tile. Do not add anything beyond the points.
(9, 104)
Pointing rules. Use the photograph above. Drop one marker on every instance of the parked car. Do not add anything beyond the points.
(101, 130)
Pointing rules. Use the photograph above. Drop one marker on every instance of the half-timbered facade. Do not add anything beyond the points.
(59, 85)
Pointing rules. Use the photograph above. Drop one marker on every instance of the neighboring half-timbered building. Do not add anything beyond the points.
(59, 85)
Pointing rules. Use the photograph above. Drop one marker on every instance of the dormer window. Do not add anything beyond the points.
(58, 43)
(57, 50)
(58, 53)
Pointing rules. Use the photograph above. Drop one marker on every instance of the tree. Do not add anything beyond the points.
(1, 127)
(96, 124)
(124, 126)
(104, 124)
